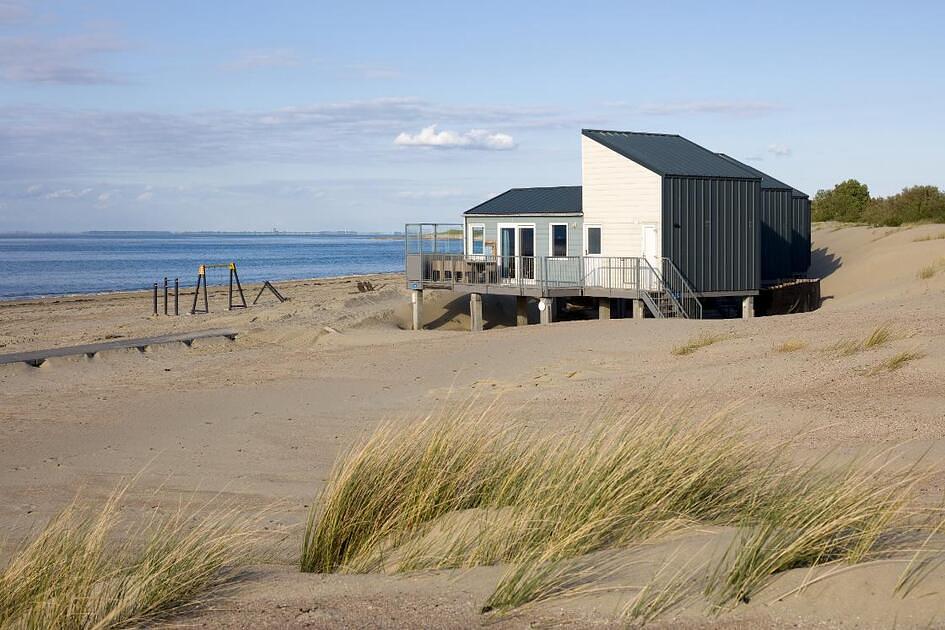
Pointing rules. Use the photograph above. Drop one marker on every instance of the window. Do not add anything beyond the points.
(477, 239)
(593, 241)
(559, 239)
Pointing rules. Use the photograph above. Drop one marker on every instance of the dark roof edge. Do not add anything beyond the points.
(748, 176)
(750, 168)
(613, 148)
(502, 194)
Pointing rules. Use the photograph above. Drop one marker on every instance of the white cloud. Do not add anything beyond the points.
(472, 139)
(68, 193)
(63, 60)
(367, 71)
(779, 150)
(427, 194)
(147, 195)
(720, 108)
(275, 58)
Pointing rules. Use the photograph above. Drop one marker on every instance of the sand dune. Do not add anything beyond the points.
(262, 418)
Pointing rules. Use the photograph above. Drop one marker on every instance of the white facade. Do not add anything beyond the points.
(623, 198)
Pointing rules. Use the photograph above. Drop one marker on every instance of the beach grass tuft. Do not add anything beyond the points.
(927, 272)
(86, 570)
(791, 345)
(929, 237)
(880, 336)
(896, 361)
(471, 488)
(698, 342)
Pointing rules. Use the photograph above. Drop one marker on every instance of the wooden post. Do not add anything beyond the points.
(748, 307)
(603, 308)
(637, 309)
(475, 312)
(176, 296)
(155, 298)
(165, 295)
(416, 301)
(545, 307)
(521, 310)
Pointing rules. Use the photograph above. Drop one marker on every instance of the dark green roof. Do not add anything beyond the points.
(667, 154)
(798, 193)
(767, 181)
(551, 200)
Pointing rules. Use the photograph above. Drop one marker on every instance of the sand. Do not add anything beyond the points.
(262, 418)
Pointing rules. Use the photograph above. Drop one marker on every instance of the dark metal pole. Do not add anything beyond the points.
(229, 305)
(155, 298)
(165, 295)
(176, 295)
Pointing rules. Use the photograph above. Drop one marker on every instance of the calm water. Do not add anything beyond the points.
(55, 265)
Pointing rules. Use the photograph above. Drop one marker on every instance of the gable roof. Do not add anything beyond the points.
(667, 154)
(767, 182)
(798, 193)
(549, 200)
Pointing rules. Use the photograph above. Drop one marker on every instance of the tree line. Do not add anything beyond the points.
(850, 201)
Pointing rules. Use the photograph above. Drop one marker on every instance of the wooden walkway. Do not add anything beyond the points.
(38, 357)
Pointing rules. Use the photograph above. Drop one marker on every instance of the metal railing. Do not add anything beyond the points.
(677, 287)
(667, 292)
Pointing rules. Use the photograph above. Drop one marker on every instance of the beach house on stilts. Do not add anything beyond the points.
(660, 227)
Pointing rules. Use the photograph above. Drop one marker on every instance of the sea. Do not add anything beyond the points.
(41, 265)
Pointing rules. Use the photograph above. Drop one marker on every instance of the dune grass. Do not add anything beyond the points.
(929, 237)
(465, 489)
(791, 345)
(927, 272)
(698, 342)
(87, 570)
(880, 336)
(896, 361)
(666, 590)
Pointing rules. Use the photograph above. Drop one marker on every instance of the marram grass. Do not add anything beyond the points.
(468, 489)
(86, 570)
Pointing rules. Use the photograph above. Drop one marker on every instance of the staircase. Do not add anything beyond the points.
(671, 297)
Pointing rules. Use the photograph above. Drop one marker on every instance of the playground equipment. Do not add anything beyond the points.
(202, 279)
(268, 285)
(176, 296)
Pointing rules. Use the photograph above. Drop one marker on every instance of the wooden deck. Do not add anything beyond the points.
(38, 357)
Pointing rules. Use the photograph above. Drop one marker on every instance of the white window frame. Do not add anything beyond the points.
(588, 226)
(551, 239)
(469, 238)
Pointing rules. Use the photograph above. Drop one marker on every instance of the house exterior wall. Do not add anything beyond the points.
(801, 238)
(621, 196)
(712, 232)
(776, 235)
(542, 231)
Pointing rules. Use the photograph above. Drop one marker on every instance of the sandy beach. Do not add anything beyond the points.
(261, 419)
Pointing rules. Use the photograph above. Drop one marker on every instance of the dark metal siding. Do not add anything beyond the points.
(776, 235)
(711, 232)
(801, 243)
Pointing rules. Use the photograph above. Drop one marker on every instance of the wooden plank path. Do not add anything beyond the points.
(38, 357)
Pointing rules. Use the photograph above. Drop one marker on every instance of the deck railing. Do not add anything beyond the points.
(618, 274)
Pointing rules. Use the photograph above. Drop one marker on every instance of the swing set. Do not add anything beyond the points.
(202, 279)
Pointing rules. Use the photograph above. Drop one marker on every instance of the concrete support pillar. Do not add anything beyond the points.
(637, 309)
(416, 300)
(546, 310)
(521, 310)
(475, 312)
(748, 307)
(603, 308)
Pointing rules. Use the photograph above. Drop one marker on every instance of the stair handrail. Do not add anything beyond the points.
(687, 299)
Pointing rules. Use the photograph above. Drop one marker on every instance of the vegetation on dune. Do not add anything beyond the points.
(791, 345)
(929, 237)
(698, 342)
(850, 202)
(880, 336)
(466, 490)
(898, 360)
(85, 570)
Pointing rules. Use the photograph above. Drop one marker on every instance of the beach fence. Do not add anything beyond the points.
(176, 296)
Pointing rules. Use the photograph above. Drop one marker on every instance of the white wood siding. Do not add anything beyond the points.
(621, 196)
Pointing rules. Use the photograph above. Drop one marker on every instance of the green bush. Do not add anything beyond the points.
(850, 202)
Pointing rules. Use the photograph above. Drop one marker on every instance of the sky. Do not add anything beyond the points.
(305, 116)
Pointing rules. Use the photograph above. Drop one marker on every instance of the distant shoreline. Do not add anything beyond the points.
(168, 233)
(188, 290)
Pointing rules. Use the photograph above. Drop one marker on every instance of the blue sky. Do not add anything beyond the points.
(328, 115)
